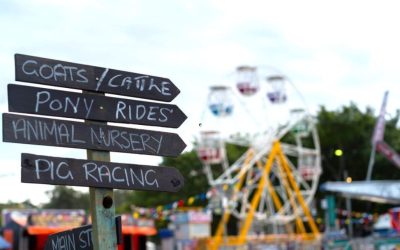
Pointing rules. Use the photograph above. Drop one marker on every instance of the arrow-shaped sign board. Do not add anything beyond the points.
(40, 101)
(89, 173)
(78, 76)
(63, 133)
(78, 238)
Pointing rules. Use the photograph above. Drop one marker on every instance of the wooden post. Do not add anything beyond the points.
(102, 209)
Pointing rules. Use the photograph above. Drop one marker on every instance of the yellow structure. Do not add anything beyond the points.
(293, 193)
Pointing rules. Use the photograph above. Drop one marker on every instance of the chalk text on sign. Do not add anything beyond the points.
(85, 238)
(131, 177)
(75, 239)
(60, 171)
(63, 241)
(86, 77)
(140, 112)
(66, 104)
(43, 131)
(125, 140)
(141, 83)
(58, 72)
(94, 173)
(92, 107)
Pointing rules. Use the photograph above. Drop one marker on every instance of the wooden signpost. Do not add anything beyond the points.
(97, 172)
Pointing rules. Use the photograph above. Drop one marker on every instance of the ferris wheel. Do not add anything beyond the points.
(275, 179)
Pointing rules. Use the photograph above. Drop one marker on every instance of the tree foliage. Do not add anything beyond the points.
(67, 198)
(350, 130)
(191, 169)
(195, 182)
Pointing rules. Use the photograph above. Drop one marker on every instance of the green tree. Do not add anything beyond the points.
(350, 130)
(67, 198)
(191, 169)
(188, 165)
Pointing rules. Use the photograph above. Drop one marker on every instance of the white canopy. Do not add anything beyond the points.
(375, 191)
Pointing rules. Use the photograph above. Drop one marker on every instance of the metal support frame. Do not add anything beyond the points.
(217, 240)
(293, 191)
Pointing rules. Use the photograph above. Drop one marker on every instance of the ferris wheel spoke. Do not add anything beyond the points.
(297, 176)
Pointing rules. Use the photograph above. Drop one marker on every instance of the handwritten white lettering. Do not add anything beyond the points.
(126, 140)
(130, 176)
(60, 133)
(85, 238)
(124, 111)
(138, 83)
(63, 242)
(45, 166)
(36, 130)
(67, 104)
(24, 68)
(57, 72)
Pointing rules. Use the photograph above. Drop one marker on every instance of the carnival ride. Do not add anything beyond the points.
(271, 185)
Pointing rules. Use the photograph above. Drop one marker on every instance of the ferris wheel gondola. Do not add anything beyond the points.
(247, 81)
(277, 94)
(220, 101)
(210, 149)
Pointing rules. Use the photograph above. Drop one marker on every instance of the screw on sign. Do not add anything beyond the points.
(94, 134)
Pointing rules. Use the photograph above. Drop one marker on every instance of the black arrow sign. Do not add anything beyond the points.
(24, 99)
(88, 173)
(62, 133)
(79, 76)
(78, 238)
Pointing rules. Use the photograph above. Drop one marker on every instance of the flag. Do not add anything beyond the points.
(379, 129)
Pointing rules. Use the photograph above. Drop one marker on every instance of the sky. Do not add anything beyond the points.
(333, 52)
